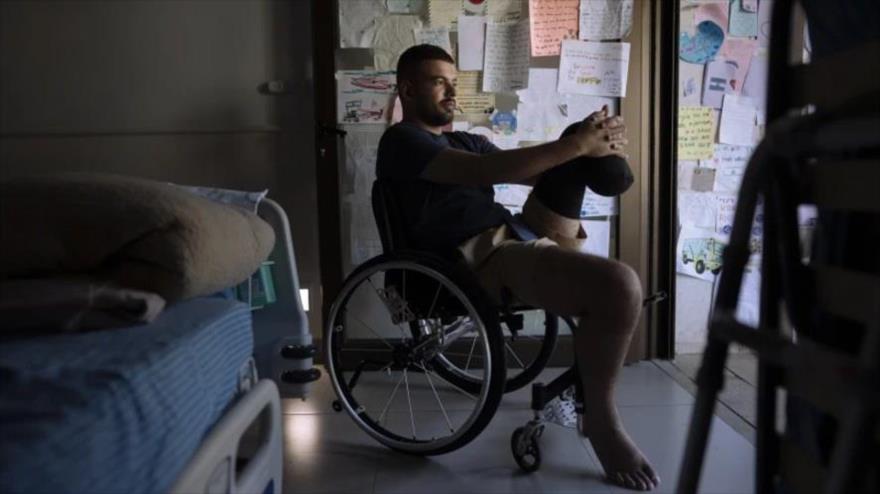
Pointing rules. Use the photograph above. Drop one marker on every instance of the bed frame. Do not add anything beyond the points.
(242, 453)
(283, 345)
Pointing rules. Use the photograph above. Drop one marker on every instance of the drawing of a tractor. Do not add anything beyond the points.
(704, 252)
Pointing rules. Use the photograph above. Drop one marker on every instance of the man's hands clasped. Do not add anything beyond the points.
(600, 135)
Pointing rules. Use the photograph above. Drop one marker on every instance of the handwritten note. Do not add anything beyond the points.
(469, 97)
(696, 132)
(725, 208)
(551, 22)
(696, 209)
(357, 22)
(444, 13)
(729, 163)
(737, 121)
(504, 10)
(598, 69)
(437, 36)
(543, 113)
(471, 38)
(596, 205)
(394, 34)
(364, 96)
(743, 23)
(605, 19)
(719, 75)
(690, 84)
(506, 59)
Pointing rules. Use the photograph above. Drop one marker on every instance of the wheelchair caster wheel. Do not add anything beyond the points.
(525, 449)
(337, 407)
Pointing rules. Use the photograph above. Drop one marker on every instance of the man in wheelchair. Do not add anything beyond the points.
(443, 181)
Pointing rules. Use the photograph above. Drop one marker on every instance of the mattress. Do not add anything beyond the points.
(120, 410)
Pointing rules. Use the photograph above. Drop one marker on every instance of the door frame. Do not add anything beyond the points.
(326, 38)
(646, 211)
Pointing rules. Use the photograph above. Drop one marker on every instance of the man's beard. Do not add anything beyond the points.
(435, 117)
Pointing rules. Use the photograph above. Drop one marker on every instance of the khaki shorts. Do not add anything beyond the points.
(539, 273)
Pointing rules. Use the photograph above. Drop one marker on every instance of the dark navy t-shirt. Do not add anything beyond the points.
(437, 217)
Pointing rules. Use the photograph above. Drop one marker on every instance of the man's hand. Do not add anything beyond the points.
(600, 135)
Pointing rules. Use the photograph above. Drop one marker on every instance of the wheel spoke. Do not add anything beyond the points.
(434, 301)
(515, 356)
(412, 417)
(437, 397)
(390, 399)
(467, 364)
(356, 318)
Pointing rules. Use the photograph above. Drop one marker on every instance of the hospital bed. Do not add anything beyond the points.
(176, 405)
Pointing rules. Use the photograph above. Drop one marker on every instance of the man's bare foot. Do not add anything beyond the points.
(621, 459)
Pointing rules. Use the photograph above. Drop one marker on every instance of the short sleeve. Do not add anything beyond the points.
(404, 152)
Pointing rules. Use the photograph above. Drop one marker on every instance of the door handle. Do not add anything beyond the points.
(322, 131)
(275, 88)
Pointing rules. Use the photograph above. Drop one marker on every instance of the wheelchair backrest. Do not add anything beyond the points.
(388, 220)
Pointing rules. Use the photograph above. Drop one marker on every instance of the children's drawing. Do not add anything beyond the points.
(365, 96)
(699, 252)
(703, 46)
(705, 253)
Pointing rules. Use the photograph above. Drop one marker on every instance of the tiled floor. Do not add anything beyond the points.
(325, 452)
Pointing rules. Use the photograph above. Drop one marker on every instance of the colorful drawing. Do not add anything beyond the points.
(374, 83)
(703, 46)
(705, 253)
(354, 113)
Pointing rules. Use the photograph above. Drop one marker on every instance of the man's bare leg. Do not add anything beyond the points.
(601, 342)
(608, 310)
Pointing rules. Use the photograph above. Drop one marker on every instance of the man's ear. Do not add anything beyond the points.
(405, 90)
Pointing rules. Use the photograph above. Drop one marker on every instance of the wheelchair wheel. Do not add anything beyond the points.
(526, 353)
(385, 376)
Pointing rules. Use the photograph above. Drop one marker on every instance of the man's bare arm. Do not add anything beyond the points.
(454, 166)
(524, 165)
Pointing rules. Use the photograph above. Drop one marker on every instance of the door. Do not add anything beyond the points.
(626, 231)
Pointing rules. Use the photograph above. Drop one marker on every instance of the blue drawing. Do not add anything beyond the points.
(702, 47)
(503, 122)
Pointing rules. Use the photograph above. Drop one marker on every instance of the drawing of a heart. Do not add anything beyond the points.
(701, 47)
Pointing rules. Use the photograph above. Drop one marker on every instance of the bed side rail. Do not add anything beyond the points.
(218, 466)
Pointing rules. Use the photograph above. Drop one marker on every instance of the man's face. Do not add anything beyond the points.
(432, 93)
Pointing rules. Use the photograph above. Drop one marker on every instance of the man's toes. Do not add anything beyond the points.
(651, 474)
(645, 483)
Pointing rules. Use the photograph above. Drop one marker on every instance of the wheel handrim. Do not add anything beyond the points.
(405, 372)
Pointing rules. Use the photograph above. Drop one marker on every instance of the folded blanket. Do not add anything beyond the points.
(135, 233)
(67, 305)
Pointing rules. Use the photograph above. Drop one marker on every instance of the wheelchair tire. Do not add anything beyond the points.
(367, 331)
(521, 370)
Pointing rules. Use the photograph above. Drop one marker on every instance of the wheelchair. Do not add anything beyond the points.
(418, 353)
(420, 356)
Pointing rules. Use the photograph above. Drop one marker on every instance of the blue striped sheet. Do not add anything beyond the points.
(119, 410)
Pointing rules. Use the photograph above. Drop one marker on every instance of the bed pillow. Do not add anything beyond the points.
(136, 233)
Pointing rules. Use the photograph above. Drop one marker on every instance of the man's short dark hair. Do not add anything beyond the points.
(409, 61)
